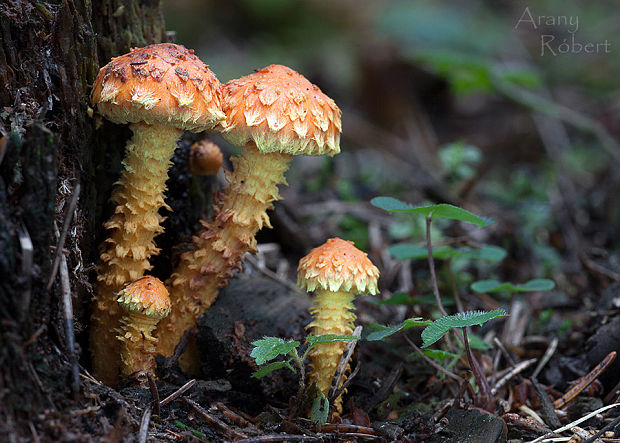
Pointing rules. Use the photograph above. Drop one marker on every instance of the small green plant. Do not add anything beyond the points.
(270, 348)
(462, 320)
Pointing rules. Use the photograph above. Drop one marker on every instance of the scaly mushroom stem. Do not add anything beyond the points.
(332, 313)
(220, 246)
(136, 221)
(137, 343)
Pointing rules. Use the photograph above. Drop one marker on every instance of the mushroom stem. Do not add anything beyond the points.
(136, 221)
(137, 343)
(219, 247)
(332, 313)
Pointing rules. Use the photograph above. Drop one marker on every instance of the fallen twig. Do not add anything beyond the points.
(144, 425)
(279, 438)
(574, 423)
(585, 381)
(176, 394)
(214, 420)
(69, 331)
(63, 235)
(515, 370)
(272, 275)
(154, 393)
(546, 357)
(342, 365)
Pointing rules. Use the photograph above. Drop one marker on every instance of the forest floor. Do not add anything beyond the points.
(550, 343)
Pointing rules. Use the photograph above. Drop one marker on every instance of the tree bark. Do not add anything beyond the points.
(50, 53)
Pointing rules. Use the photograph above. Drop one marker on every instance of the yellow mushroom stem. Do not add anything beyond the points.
(136, 221)
(219, 247)
(137, 343)
(332, 313)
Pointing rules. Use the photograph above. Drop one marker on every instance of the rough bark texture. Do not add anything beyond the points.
(50, 53)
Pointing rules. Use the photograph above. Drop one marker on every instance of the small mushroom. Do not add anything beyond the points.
(205, 158)
(145, 302)
(160, 90)
(273, 114)
(336, 271)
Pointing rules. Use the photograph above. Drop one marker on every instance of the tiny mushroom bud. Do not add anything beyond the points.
(205, 158)
(273, 114)
(336, 271)
(161, 90)
(145, 302)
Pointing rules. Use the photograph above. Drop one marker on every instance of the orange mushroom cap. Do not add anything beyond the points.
(281, 111)
(147, 296)
(338, 265)
(163, 84)
(205, 158)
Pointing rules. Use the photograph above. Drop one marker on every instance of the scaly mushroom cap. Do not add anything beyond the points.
(337, 265)
(281, 111)
(147, 296)
(162, 84)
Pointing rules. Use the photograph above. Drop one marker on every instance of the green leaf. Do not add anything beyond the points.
(442, 325)
(269, 348)
(320, 410)
(538, 284)
(386, 331)
(273, 366)
(403, 298)
(442, 210)
(477, 343)
(407, 251)
(329, 338)
(439, 355)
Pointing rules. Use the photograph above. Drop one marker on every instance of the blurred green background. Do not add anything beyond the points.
(449, 101)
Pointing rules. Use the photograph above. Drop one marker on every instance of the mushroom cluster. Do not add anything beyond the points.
(335, 271)
(161, 90)
(273, 114)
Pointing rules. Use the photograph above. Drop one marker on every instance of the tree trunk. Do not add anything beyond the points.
(50, 53)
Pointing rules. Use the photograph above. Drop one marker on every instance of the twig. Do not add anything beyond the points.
(517, 369)
(574, 423)
(232, 415)
(176, 394)
(213, 420)
(272, 275)
(63, 235)
(585, 381)
(504, 351)
(169, 362)
(548, 412)
(279, 438)
(386, 387)
(545, 358)
(144, 425)
(347, 382)
(27, 259)
(595, 267)
(342, 365)
(69, 331)
(431, 362)
(154, 393)
(607, 427)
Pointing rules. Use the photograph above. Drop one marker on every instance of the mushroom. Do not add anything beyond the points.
(336, 270)
(160, 90)
(272, 114)
(205, 158)
(145, 302)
